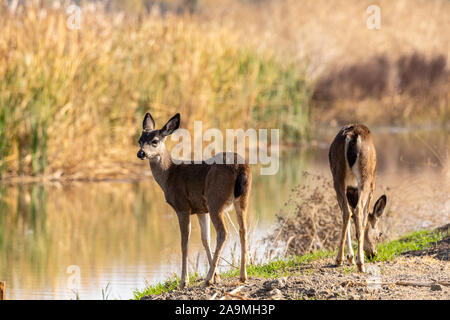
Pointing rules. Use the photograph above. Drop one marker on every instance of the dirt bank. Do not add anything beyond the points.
(422, 274)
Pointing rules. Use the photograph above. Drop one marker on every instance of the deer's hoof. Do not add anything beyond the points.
(216, 278)
(350, 260)
(338, 262)
(361, 267)
(243, 279)
(207, 283)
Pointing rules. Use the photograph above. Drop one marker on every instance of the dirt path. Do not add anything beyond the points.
(320, 280)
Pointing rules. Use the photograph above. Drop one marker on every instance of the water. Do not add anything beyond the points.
(121, 235)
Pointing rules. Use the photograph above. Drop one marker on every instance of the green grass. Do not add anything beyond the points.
(415, 241)
(166, 286)
(272, 269)
(282, 267)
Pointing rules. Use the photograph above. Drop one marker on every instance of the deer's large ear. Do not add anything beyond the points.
(149, 123)
(379, 206)
(171, 125)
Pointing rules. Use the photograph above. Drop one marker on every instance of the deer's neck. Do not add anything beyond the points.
(160, 167)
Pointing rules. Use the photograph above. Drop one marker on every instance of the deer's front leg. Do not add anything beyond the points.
(185, 227)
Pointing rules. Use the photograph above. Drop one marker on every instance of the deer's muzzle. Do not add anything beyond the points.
(141, 154)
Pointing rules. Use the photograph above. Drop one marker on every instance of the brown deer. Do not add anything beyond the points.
(353, 163)
(210, 187)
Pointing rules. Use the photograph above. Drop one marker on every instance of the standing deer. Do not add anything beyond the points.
(209, 187)
(353, 163)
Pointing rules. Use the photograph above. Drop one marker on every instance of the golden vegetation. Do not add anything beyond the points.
(342, 54)
(72, 101)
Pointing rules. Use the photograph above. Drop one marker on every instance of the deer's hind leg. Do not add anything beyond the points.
(203, 220)
(360, 223)
(350, 253)
(217, 218)
(352, 199)
(346, 214)
(241, 204)
(219, 178)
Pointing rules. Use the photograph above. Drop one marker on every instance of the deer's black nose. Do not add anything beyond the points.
(141, 155)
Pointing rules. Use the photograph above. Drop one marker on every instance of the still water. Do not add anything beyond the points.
(118, 236)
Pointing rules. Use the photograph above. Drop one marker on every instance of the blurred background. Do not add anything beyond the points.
(77, 80)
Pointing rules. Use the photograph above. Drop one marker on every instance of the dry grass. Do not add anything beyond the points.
(310, 219)
(334, 33)
(395, 75)
(72, 102)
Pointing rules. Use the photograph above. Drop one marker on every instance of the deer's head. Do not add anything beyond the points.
(372, 235)
(152, 140)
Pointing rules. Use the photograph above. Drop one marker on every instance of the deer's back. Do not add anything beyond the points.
(190, 181)
(352, 154)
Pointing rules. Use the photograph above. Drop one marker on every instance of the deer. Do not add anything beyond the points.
(207, 189)
(353, 163)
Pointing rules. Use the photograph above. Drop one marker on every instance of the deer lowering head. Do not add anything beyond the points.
(353, 164)
(204, 189)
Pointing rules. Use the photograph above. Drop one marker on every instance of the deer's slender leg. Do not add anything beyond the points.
(345, 226)
(184, 220)
(360, 221)
(360, 236)
(350, 254)
(203, 220)
(241, 212)
(343, 204)
(222, 234)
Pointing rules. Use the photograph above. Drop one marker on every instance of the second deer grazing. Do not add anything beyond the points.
(353, 163)
(207, 189)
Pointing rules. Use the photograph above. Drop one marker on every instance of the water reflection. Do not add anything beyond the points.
(125, 234)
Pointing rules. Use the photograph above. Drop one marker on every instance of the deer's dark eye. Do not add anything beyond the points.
(155, 143)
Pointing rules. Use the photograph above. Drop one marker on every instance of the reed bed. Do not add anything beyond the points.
(72, 101)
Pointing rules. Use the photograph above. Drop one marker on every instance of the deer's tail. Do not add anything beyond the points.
(352, 148)
(242, 182)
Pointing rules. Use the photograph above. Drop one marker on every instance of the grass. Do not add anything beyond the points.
(168, 285)
(418, 240)
(282, 267)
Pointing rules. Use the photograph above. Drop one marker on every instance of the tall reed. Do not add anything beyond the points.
(71, 101)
